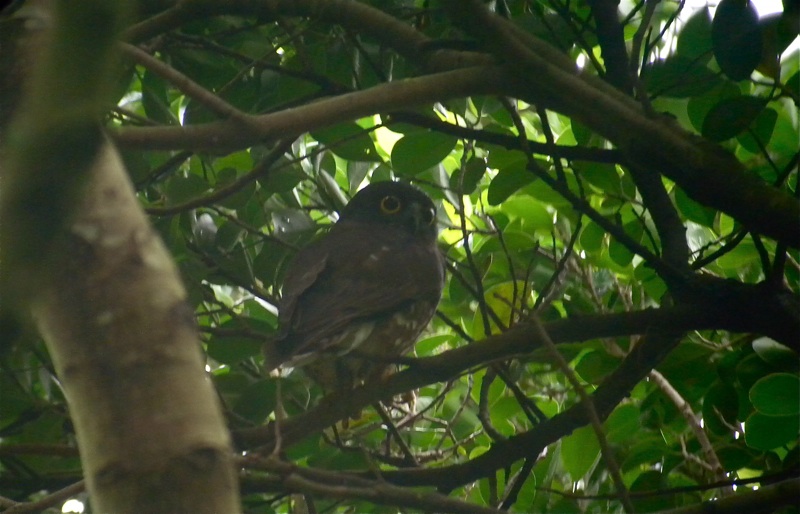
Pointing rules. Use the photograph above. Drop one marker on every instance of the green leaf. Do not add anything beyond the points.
(650, 481)
(751, 369)
(506, 415)
(736, 38)
(551, 27)
(356, 173)
(155, 100)
(581, 133)
(773, 352)
(694, 40)
(793, 82)
(181, 188)
(760, 131)
(278, 89)
(603, 176)
(269, 260)
(419, 151)
(432, 345)
(649, 279)
(227, 174)
(508, 181)
(623, 422)
(244, 94)
(595, 365)
(566, 506)
(699, 106)
(619, 253)
(282, 179)
(579, 452)
(257, 401)
(210, 70)
(734, 457)
(694, 211)
(227, 235)
(764, 432)
(532, 213)
(544, 193)
(231, 349)
(643, 450)
(592, 237)
(679, 77)
(786, 134)
(137, 164)
(348, 141)
(777, 394)
(466, 179)
(731, 116)
(740, 257)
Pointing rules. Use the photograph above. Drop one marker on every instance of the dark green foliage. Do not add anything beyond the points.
(567, 234)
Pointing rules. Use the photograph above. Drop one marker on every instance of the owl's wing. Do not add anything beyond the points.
(302, 273)
(353, 282)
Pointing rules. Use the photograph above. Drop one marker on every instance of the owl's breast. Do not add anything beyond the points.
(369, 348)
(399, 262)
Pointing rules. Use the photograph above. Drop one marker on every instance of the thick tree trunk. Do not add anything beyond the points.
(79, 254)
(124, 345)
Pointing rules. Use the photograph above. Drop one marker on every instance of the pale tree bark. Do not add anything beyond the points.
(124, 345)
(79, 255)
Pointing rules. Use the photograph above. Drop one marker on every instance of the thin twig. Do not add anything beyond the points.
(408, 455)
(261, 170)
(48, 501)
(591, 412)
(695, 426)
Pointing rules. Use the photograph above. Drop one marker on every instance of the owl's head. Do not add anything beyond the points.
(396, 204)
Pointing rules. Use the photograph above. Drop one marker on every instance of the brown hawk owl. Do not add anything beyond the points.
(360, 296)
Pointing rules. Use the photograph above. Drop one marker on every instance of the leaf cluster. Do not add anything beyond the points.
(246, 126)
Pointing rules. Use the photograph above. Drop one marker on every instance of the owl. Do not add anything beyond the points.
(358, 298)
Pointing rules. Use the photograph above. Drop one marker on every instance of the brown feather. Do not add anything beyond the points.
(368, 287)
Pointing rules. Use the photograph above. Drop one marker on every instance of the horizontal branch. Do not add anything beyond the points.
(517, 341)
(537, 73)
(346, 486)
(229, 135)
(768, 498)
(510, 142)
(51, 500)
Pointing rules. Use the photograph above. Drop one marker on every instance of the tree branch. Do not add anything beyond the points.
(236, 134)
(766, 499)
(537, 73)
(709, 174)
(340, 485)
(612, 43)
(517, 341)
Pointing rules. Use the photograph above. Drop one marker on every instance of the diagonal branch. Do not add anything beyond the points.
(709, 174)
(671, 231)
(611, 38)
(503, 453)
(537, 73)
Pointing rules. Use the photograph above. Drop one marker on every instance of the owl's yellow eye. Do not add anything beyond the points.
(390, 205)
